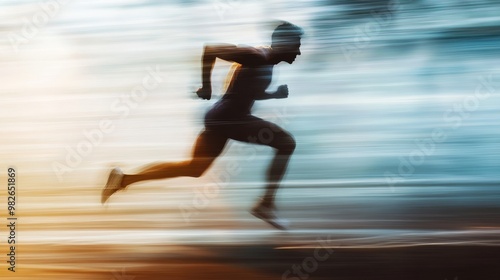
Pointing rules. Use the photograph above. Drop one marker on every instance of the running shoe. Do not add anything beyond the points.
(268, 215)
(113, 185)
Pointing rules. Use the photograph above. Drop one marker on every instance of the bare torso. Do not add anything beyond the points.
(246, 82)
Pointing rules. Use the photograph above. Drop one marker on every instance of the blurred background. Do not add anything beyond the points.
(393, 104)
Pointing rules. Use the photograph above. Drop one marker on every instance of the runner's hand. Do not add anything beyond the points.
(282, 92)
(204, 93)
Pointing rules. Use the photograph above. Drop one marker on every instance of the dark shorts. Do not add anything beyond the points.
(227, 124)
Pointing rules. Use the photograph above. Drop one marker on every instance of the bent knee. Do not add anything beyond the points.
(287, 146)
(196, 170)
(196, 173)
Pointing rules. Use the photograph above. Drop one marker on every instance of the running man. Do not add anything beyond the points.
(230, 118)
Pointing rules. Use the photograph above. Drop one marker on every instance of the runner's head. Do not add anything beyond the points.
(286, 41)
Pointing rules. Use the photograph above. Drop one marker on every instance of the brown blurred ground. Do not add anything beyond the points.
(253, 262)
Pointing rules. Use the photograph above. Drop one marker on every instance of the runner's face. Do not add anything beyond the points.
(290, 50)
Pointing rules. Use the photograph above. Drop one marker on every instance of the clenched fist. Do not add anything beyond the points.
(204, 93)
(281, 92)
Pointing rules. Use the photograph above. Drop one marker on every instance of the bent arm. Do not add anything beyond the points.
(207, 65)
(242, 55)
(281, 92)
(265, 95)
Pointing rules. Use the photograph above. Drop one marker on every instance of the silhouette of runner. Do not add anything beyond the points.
(230, 118)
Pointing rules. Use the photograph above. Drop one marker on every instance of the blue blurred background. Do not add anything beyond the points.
(394, 106)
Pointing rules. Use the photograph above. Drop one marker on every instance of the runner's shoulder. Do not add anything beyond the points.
(254, 55)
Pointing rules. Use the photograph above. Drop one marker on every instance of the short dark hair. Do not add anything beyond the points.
(286, 31)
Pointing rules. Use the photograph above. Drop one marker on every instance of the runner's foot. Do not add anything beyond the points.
(268, 215)
(113, 185)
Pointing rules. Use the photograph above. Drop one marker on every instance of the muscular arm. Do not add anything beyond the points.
(282, 92)
(228, 52)
(265, 96)
(207, 64)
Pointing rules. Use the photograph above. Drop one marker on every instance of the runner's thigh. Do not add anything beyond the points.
(259, 131)
(209, 145)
